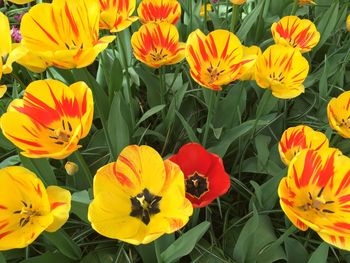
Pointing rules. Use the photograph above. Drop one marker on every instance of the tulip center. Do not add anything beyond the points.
(275, 77)
(158, 55)
(318, 203)
(214, 72)
(196, 185)
(293, 43)
(62, 134)
(27, 213)
(345, 122)
(144, 205)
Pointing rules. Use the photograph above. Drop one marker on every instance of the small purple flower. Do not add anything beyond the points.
(18, 17)
(16, 35)
(214, 1)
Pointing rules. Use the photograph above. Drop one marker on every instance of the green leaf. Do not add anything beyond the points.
(64, 244)
(49, 257)
(80, 204)
(42, 168)
(2, 258)
(320, 255)
(185, 243)
(190, 133)
(296, 253)
(149, 113)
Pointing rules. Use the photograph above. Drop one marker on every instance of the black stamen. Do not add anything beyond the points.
(310, 196)
(59, 143)
(329, 202)
(69, 126)
(196, 185)
(63, 125)
(53, 137)
(24, 203)
(327, 211)
(320, 192)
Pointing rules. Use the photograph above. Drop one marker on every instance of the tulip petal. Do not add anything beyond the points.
(159, 10)
(60, 202)
(3, 89)
(338, 111)
(5, 33)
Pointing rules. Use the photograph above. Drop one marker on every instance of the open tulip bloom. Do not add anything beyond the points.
(282, 70)
(204, 172)
(316, 194)
(250, 55)
(157, 44)
(63, 34)
(339, 114)
(27, 208)
(295, 32)
(301, 137)
(139, 197)
(116, 15)
(50, 119)
(159, 10)
(215, 59)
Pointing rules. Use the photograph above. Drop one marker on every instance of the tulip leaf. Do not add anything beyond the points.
(296, 253)
(62, 241)
(320, 255)
(42, 168)
(80, 204)
(185, 243)
(2, 258)
(150, 113)
(49, 257)
(190, 133)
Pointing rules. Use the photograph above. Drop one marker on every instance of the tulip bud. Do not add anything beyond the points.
(238, 2)
(305, 2)
(71, 168)
(348, 23)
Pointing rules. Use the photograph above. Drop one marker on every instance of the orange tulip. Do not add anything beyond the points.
(159, 10)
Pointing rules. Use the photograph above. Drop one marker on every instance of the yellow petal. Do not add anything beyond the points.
(338, 112)
(20, 2)
(250, 55)
(159, 10)
(342, 242)
(5, 40)
(3, 89)
(60, 202)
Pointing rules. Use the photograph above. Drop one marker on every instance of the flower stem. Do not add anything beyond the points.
(162, 90)
(205, 14)
(234, 17)
(209, 117)
(295, 8)
(122, 52)
(157, 250)
(84, 167)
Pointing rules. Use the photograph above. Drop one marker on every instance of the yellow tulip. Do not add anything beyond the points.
(50, 119)
(296, 139)
(202, 11)
(295, 32)
(250, 55)
(159, 10)
(157, 44)
(316, 194)
(348, 23)
(282, 70)
(20, 2)
(141, 194)
(305, 2)
(116, 15)
(214, 60)
(27, 208)
(339, 114)
(238, 2)
(64, 33)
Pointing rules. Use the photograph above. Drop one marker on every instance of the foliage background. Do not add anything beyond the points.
(247, 224)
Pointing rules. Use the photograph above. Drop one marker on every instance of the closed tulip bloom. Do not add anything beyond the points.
(20, 2)
(27, 208)
(250, 55)
(215, 59)
(50, 119)
(139, 197)
(296, 33)
(64, 34)
(316, 194)
(116, 15)
(305, 2)
(238, 2)
(157, 44)
(338, 111)
(205, 175)
(301, 137)
(282, 70)
(159, 10)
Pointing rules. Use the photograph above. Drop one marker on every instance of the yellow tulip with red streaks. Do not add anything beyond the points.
(50, 119)
(282, 70)
(250, 55)
(298, 138)
(157, 44)
(159, 10)
(27, 208)
(116, 15)
(64, 34)
(316, 194)
(338, 111)
(295, 32)
(141, 194)
(215, 59)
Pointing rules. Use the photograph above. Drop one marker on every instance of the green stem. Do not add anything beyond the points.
(295, 8)
(122, 52)
(195, 216)
(205, 14)
(191, 16)
(259, 113)
(162, 90)
(234, 17)
(209, 117)
(83, 165)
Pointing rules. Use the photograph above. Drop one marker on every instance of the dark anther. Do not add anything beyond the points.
(310, 196)
(24, 203)
(24, 221)
(53, 137)
(320, 192)
(17, 212)
(63, 125)
(327, 211)
(59, 143)
(69, 126)
(196, 185)
(144, 205)
(329, 202)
